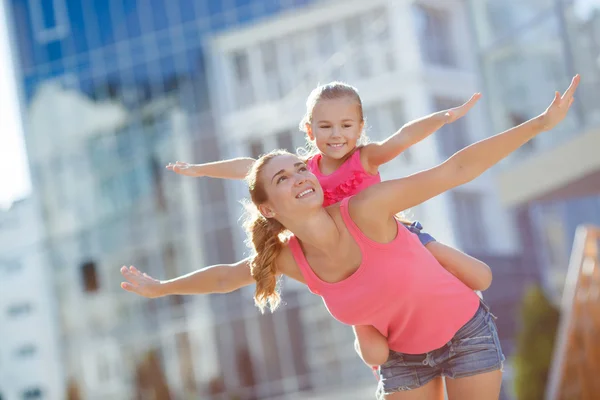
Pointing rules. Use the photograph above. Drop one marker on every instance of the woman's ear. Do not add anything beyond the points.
(266, 211)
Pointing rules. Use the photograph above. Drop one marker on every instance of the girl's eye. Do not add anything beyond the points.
(325, 127)
(347, 126)
(281, 179)
(302, 169)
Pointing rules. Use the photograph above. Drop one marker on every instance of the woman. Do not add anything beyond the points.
(370, 272)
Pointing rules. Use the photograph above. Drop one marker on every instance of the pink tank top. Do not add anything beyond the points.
(399, 288)
(349, 179)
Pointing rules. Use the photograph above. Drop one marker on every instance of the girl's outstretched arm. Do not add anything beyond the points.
(236, 168)
(375, 154)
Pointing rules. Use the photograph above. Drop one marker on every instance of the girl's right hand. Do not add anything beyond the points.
(183, 168)
(141, 283)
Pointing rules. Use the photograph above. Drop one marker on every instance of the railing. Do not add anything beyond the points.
(575, 369)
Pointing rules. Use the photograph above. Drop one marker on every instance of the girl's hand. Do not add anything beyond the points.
(183, 168)
(557, 111)
(458, 112)
(141, 283)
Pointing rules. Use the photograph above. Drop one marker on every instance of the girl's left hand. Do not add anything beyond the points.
(458, 112)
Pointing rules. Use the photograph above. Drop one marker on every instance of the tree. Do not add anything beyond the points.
(535, 344)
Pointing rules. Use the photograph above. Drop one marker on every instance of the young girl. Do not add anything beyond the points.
(345, 165)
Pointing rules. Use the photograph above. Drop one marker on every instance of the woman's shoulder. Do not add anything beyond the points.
(286, 262)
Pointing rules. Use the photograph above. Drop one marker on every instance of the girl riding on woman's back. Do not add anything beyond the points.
(345, 164)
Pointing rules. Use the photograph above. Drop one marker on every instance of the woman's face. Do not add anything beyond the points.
(290, 187)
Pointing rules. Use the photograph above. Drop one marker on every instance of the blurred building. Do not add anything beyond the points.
(527, 51)
(30, 366)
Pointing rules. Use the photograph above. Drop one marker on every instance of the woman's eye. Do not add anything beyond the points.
(281, 179)
(302, 169)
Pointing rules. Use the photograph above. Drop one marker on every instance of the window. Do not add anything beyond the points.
(470, 221)
(49, 20)
(325, 43)
(284, 141)
(451, 137)
(435, 36)
(271, 70)
(159, 190)
(256, 148)
(32, 393)
(17, 310)
(244, 93)
(26, 351)
(89, 277)
(241, 66)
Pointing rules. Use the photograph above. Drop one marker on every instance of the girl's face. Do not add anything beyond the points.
(336, 126)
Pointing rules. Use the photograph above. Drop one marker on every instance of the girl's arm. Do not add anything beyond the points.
(375, 154)
(371, 345)
(380, 202)
(472, 272)
(222, 278)
(236, 168)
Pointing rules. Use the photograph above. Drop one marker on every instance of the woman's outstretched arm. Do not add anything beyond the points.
(223, 278)
(391, 197)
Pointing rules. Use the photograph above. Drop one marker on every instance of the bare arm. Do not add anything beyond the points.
(472, 272)
(375, 154)
(236, 168)
(223, 278)
(380, 202)
(371, 345)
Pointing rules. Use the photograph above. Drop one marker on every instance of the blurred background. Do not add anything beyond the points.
(98, 96)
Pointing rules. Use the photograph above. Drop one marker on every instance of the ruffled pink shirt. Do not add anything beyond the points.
(349, 179)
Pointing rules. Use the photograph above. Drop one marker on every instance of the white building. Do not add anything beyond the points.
(408, 59)
(99, 218)
(30, 365)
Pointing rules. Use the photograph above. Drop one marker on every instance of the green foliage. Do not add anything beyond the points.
(535, 344)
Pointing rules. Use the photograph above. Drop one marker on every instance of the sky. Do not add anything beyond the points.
(14, 175)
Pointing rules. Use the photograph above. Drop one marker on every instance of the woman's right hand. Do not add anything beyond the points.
(141, 283)
(184, 168)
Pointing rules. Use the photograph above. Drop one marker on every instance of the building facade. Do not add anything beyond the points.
(527, 51)
(30, 365)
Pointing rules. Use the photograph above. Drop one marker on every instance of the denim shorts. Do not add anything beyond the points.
(474, 349)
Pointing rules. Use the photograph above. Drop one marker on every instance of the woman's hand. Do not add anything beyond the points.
(557, 111)
(141, 283)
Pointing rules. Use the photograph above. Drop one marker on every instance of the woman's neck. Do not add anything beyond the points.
(317, 231)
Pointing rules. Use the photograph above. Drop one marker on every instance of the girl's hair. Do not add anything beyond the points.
(329, 91)
(265, 235)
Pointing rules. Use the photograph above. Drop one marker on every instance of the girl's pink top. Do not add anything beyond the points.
(399, 288)
(349, 179)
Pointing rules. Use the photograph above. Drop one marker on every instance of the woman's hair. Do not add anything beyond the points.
(329, 91)
(265, 235)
